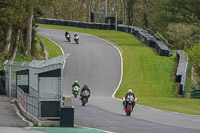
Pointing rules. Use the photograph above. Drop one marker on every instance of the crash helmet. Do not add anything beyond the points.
(76, 81)
(129, 90)
(85, 85)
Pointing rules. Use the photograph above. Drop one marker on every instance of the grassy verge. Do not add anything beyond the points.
(150, 76)
(52, 49)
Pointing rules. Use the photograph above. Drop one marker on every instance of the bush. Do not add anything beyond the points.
(182, 35)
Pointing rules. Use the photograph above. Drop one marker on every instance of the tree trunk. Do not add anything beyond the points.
(146, 21)
(15, 47)
(6, 48)
(129, 5)
(29, 31)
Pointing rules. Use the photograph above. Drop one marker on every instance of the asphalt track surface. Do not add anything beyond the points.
(97, 63)
(10, 122)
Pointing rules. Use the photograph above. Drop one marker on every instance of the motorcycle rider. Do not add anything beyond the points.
(67, 35)
(76, 36)
(129, 93)
(75, 84)
(85, 87)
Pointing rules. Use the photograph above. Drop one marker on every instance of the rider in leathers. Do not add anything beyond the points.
(85, 87)
(128, 94)
(75, 84)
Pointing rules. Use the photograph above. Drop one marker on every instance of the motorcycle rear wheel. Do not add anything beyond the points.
(129, 111)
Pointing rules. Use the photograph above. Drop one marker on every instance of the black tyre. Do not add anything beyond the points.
(129, 111)
(83, 104)
(83, 101)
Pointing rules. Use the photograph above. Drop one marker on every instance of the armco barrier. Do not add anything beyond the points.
(195, 93)
(181, 71)
(161, 48)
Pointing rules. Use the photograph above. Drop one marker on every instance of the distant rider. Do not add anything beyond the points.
(67, 34)
(76, 36)
(129, 93)
(75, 84)
(85, 87)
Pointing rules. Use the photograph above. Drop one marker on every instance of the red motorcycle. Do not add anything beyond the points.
(129, 100)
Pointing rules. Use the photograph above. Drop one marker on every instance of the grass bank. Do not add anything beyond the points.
(149, 75)
(52, 49)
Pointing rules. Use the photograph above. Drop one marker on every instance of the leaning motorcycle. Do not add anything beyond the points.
(84, 97)
(129, 100)
(76, 39)
(75, 91)
(68, 37)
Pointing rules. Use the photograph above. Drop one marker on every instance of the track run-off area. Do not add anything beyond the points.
(98, 64)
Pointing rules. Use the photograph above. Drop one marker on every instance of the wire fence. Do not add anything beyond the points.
(10, 76)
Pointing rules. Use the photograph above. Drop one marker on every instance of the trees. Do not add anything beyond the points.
(12, 21)
(194, 56)
(145, 12)
(6, 19)
(183, 11)
(30, 4)
(129, 6)
(183, 35)
(16, 24)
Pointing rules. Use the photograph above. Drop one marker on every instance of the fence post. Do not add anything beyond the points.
(26, 103)
(9, 95)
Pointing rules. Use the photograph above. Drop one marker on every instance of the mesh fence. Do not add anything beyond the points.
(10, 76)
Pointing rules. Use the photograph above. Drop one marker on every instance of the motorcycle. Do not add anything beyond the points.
(68, 37)
(75, 91)
(84, 97)
(129, 100)
(76, 39)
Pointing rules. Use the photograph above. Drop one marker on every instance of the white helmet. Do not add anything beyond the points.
(129, 90)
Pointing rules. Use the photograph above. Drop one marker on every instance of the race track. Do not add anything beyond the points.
(97, 63)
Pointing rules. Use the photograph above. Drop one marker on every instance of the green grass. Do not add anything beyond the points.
(22, 58)
(149, 75)
(52, 49)
(65, 130)
(181, 105)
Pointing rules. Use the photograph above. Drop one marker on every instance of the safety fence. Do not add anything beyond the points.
(181, 71)
(42, 45)
(195, 93)
(28, 102)
(79, 24)
(37, 86)
(10, 76)
(146, 37)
